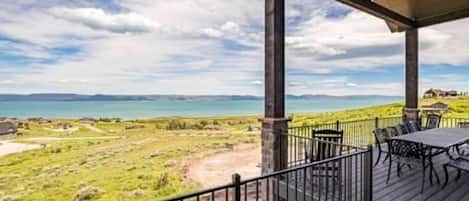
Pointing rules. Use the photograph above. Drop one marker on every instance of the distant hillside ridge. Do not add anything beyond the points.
(103, 97)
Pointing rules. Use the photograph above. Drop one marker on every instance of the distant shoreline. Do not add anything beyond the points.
(130, 110)
(104, 97)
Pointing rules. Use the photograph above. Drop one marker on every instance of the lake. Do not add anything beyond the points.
(170, 108)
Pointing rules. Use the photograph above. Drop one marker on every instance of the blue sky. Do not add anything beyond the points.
(212, 47)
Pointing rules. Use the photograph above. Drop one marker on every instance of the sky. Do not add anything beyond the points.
(213, 47)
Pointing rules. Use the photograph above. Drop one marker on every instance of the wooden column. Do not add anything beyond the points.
(274, 144)
(411, 111)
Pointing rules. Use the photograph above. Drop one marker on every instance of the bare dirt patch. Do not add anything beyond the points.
(217, 169)
(8, 147)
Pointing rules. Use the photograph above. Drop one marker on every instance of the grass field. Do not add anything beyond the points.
(139, 160)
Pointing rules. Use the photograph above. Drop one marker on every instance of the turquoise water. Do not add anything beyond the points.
(167, 108)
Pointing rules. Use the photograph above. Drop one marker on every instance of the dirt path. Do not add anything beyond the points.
(48, 139)
(92, 128)
(217, 169)
(8, 147)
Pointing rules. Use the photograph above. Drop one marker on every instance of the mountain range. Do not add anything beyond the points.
(103, 97)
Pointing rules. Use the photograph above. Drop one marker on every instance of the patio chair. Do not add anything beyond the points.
(433, 121)
(407, 153)
(414, 126)
(392, 131)
(381, 135)
(324, 145)
(462, 148)
(463, 125)
(460, 164)
(402, 129)
(325, 150)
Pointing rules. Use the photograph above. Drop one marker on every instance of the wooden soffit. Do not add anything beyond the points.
(401, 15)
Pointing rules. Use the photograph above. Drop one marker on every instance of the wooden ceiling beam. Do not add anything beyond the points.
(464, 13)
(381, 12)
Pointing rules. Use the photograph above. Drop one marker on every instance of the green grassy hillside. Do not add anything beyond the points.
(141, 160)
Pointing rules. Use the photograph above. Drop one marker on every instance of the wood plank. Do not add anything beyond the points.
(275, 59)
(456, 15)
(412, 73)
(381, 12)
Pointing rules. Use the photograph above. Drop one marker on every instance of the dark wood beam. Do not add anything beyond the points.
(274, 124)
(275, 59)
(464, 13)
(411, 74)
(381, 12)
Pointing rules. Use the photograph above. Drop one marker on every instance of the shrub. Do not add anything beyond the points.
(87, 193)
(161, 181)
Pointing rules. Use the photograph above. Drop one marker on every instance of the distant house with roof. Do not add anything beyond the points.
(438, 107)
(7, 128)
(433, 93)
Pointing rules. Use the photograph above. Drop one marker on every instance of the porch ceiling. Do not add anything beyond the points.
(401, 15)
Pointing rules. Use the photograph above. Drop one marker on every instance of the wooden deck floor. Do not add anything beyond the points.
(404, 188)
(408, 186)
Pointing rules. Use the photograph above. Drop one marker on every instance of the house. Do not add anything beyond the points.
(7, 128)
(63, 125)
(438, 107)
(453, 93)
(88, 121)
(432, 93)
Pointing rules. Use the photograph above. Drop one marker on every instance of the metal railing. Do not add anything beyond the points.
(357, 132)
(346, 177)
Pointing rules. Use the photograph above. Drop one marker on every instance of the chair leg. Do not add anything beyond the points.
(389, 171)
(377, 160)
(446, 175)
(398, 169)
(386, 158)
(459, 175)
(423, 179)
(436, 175)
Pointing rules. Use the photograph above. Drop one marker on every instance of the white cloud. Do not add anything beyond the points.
(98, 19)
(257, 82)
(231, 27)
(170, 53)
(210, 32)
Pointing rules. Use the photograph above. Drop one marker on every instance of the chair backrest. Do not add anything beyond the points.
(402, 129)
(406, 149)
(463, 125)
(327, 144)
(413, 126)
(433, 121)
(392, 131)
(381, 135)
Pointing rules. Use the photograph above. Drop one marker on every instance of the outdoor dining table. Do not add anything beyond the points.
(439, 138)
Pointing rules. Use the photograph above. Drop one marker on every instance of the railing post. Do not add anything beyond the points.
(237, 189)
(368, 174)
(377, 122)
(337, 125)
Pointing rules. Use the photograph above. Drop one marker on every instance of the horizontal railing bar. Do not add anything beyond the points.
(305, 166)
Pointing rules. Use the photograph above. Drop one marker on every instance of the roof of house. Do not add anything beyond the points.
(7, 128)
(402, 15)
(436, 91)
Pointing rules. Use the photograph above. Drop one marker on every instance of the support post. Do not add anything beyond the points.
(237, 189)
(274, 124)
(274, 144)
(411, 112)
(368, 174)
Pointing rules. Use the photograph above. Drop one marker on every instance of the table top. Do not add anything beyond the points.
(439, 138)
